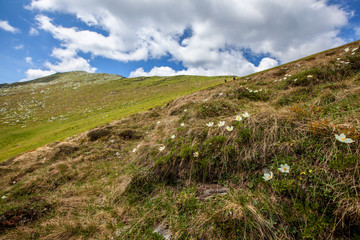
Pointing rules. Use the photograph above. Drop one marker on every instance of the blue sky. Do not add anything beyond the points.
(167, 37)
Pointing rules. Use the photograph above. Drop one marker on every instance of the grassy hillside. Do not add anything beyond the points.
(55, 107)
(192, 169)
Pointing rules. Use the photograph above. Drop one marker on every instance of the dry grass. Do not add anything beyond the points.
(94, 186)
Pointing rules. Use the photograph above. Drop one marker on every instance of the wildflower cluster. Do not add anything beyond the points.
(209, 124)
(284, 168)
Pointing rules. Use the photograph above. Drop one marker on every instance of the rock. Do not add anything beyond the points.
(163, 231)
(208, 190)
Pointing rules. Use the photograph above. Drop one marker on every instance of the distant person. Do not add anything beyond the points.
(225, 81)
(234, 78)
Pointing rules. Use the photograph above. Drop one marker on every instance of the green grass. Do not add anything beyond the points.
(77, 110)
(207, 182)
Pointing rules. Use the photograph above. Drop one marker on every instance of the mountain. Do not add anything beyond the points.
(53, 108)
(273, 155)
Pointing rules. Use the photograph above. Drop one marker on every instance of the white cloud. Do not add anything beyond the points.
(266, 63)
(232, 65)
(92, 42)
(33, 32)
(220, 31)
(36, 73)
(7, 27)
(29, 60)
(19, 47)
(156, 71)
(68, 61)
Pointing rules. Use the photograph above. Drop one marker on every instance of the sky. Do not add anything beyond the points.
(167, 37)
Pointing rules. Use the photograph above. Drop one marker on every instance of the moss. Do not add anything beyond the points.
(343, 161)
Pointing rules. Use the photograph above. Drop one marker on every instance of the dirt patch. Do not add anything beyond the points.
(20, 216)
(97, 133)
(129, 134)
(64, 149)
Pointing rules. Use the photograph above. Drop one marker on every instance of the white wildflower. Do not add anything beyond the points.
(134, 150)
(210, 124)
(346, 49)
(343, 138)
(284, 168)
(221, 123)
(229, 128)
(309, 76)
(182, 124)
(196, 154)
(246, 115)
(162, 148)
(354, 49)
(238, 118)
(268, 176)
(172, 136)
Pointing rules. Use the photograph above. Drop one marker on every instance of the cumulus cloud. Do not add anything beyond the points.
(234, 66)
(155, 71)
(67, 61)
(36, 73)
(7, 27)
(219, 31)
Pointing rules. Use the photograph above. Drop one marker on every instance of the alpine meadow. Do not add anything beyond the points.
(272, 155)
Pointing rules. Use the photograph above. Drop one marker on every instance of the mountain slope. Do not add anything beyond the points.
(169, 172)
(52, 108)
